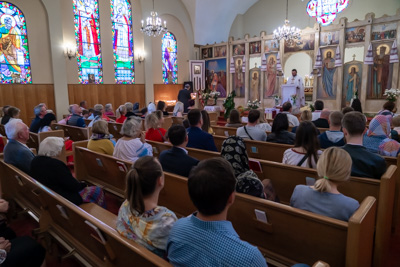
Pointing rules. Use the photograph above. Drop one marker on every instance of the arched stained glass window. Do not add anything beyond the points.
(87, 35)
(15, 64)
(121, 17)
(169, 59)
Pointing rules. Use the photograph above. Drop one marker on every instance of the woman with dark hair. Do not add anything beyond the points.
(389, 108)
(206, 122)
(161, 106)
(234, 119)
(140, 218)
(12, 113)
(306, 147)
(280, 133)
(356, 105)
(46, 122)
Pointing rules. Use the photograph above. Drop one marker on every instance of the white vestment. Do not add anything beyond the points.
(298, 82)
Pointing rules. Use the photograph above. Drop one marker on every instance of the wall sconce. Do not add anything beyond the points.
(140, 56)
(70, 51)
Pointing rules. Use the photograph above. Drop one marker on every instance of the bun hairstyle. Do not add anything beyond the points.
(141, 182)
(121, 110)
(334, 165)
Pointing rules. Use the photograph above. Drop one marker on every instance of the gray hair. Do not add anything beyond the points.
(38, 109)
(51, 146)
(98, 107)
(179, 107)
(108, 107)
(71, 109)
(129, 106)
(132, 127)
(13, 127)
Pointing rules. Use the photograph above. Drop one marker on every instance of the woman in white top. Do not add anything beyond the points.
(306, 147)
(263, 123)
(133, 144)
(178, 109)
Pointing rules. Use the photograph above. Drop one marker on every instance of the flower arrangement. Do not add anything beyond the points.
(392, 94)
(215, 94)
(293, 98)
(276, 99)
(253, 104)
(229, 104)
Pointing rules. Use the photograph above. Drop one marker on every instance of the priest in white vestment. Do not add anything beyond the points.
(298, 82)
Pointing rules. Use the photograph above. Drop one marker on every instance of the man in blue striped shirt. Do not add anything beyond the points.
(206, 238)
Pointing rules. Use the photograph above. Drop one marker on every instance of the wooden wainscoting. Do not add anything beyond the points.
(166, 91)
(116, 94)
(26, 97)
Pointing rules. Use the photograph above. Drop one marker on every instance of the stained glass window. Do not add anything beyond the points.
(15, 64)
(169, 59)
(87, 35)
(121, 16)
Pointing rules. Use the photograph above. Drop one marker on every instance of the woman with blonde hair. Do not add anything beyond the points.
(153, 126)
(263, 123)
(121, 112)
(334, 168)
(140, 218)
(306, 115)
(100, 139)
(178, 109)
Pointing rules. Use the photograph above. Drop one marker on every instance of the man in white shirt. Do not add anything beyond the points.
(287, 109)
(298, 82)
(318, 106)
(250, 131)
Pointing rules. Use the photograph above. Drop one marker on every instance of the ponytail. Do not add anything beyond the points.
(120, 111)
(141, 182)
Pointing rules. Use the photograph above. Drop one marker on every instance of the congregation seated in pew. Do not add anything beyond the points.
(262, 122)
(100, 139)
(251, 131)
(377, 138)
(305, 152)
(132, 145)
(280, 131)
(334, 168)
(176, 159)
(197, 137)
(153, 124)
(16, 152)
(140, 218)
(162, 106)
(76, 119)
(206, 238)
(365, 163)
(234, 119)
(40, 111)
(322, 121)
(121, 112)
(47, 169)
(318, 106)
(46, 122)
(334, 136)
(206, 127)
(287, 109)
(12, 114)
(108, 110)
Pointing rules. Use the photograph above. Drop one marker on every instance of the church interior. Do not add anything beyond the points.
(62, 52)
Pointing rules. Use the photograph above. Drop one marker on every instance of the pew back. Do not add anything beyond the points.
(74, 133)
(114, 128)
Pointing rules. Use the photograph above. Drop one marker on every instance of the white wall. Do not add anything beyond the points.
(268, 15)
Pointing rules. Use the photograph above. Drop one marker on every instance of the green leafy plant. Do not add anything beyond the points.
(229, 104)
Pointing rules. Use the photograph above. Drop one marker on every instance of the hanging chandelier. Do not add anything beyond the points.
(291, 35)
(154, 26)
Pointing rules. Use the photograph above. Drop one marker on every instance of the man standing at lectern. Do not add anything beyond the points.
(298, 82)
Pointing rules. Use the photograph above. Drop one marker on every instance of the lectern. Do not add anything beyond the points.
(287, 91)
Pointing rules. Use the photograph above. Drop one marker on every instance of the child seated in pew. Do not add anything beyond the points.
(139, 217)
(206, 238)
(100, 140)
(53, 173)
(306, 147)
(334, 168)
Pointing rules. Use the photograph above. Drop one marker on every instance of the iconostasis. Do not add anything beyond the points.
(354, 62)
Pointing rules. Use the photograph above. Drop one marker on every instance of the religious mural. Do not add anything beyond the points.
(255, 47)
(384, 31)
(14, 53)
(351, 81)
(87, 35)
(329, 38)
(271, 46)
(206, 53)
(355, 35)
(239, 50)
(306, 42)
(216, 76)
(270, 79)
(220, 51)
(169, 50)
(255, 75)
(381, 72)
(121, 16)
(328, 82)
(238, 82)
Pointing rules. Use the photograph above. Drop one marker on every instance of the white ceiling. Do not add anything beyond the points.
(212, 19)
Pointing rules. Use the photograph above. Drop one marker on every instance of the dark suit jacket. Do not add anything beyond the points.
(184, 96)
(365, 163)
(200, 139)
(175, 160)
(54, 174)
(321, 123)
(18, 155)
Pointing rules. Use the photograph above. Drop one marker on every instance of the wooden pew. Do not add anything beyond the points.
(167, 122)
(224, 131)
(73, 132)
(177, 120)
(213, 118)
(114, 128)
(87, 121)
(307, 238)
(112, 117)
(396, 208)
(36, 138)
